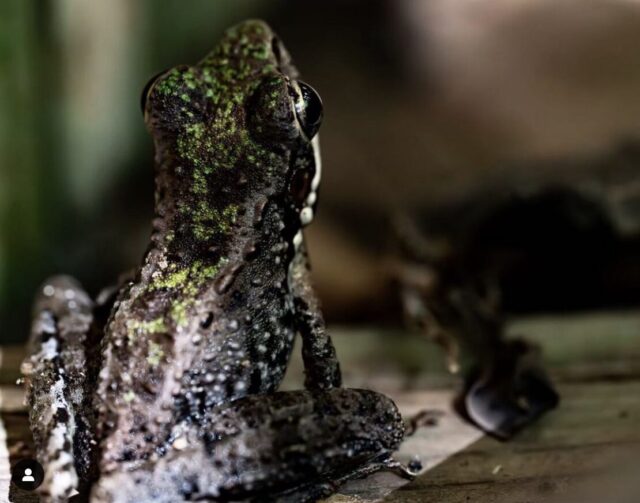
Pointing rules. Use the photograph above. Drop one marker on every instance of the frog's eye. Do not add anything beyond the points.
(308, 106)
(147, 88)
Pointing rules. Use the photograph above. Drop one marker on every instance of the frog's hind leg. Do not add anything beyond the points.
(55, 373)
(306, 442)
(293, 446)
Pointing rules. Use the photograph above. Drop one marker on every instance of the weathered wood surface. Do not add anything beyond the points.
(583, 446)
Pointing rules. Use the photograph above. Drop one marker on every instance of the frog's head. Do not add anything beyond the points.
(236, 127)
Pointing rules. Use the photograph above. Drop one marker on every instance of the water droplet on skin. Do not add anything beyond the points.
(196, 339)
(233, 325)
(240, 386)
(262, 348)
(48, 290)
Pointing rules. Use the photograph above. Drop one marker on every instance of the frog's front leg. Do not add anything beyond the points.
(55, 374)
(322, 370)
(322, 377)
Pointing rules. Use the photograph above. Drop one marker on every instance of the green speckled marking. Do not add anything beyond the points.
(206, 134)
(213, 136)
(135, 327)
(179, 312)
(155, 355)
(208, 221)
(173, 280)
(187, 278)
(187, 281)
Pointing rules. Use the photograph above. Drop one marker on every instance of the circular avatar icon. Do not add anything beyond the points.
(27, 474)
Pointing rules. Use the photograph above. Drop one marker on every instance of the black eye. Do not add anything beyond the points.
(147, 88)
(309, 110)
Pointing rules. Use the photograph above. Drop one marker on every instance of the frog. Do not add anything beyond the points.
(164, 387)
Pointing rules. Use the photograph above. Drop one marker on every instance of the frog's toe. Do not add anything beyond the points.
(511, 394)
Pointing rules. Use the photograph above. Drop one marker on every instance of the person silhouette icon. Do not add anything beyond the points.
(27, 475)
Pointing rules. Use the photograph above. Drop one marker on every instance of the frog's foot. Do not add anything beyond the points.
(386, 463)
(323, 489)
(424, 418)
(510, 393)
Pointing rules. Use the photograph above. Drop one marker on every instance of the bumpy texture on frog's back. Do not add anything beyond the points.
(209, 316)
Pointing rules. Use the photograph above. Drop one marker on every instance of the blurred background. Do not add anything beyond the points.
(448, 113)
